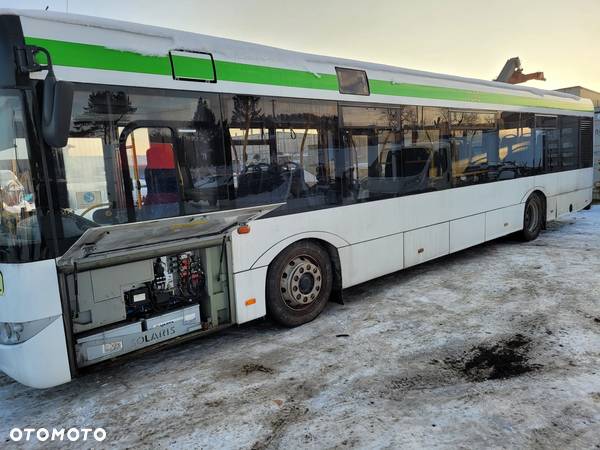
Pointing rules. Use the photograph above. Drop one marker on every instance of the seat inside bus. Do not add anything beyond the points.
(162, 198)
(407, 162)
(264, 183)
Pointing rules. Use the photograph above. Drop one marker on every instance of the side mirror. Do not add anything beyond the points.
(56, 110)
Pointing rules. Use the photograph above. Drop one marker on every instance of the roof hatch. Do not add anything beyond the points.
(193, 66)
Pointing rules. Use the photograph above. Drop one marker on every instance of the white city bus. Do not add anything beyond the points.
(156, 184)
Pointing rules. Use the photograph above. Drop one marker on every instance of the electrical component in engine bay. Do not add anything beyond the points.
(178, 280)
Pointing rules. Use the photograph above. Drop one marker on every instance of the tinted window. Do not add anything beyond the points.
(283, 151)
(548, 122)
(569, 142)
(248, 120)
(123, 158)
(204, 169)
(515, 157)
(382, 162)
(258, 178)
(433, 134)
(393, 151)
(87, 170)
(474, 145)
(352, 81)
(20, 235)
(547, 143)
(306, 134)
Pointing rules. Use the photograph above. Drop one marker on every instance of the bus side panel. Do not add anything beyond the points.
(250, 301)
(358, 264)
(31, 293)
(467, 232)
(426, 243)
(370, 237)
(572, 201)
(566, 191)
(40, 362)
(501, 222)
(369, 221)
(550, 208)
(562, 182)
(266, 258)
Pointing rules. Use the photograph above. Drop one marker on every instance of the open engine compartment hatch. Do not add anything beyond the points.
(135, 285)
(117, 244)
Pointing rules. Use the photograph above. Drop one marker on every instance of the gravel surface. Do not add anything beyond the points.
(496, 346)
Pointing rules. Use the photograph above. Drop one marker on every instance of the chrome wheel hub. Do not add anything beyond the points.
(300, 282)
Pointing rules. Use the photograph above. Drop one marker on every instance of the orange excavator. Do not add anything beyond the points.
(512, 73)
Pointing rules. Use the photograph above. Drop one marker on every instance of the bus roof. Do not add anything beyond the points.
(96, 50)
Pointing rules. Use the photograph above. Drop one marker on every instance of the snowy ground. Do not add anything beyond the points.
(497, 346)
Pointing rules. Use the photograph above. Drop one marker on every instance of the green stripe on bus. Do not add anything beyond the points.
(248, 73)
(73, 54)
(465, 95)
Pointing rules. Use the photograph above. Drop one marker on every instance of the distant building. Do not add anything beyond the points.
(594, 97)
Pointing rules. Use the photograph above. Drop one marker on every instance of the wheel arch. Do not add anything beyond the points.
(329, 241)
(539, 191)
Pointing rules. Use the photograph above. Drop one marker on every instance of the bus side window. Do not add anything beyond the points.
(433, 133)
(206, 176)
(547, 143)
(474, 138)
(86, 169)
(515, 156)
(305, 133)
(250, 134)
(569, 142)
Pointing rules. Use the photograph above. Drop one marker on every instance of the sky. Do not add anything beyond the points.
(471, 38)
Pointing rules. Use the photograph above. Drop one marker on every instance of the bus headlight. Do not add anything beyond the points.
(12, 333)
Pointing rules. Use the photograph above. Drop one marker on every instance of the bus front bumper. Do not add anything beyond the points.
(40, 362)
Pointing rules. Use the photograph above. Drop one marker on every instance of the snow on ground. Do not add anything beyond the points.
(497, 346)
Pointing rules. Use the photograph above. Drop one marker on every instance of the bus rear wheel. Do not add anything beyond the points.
(533, 218)
(299, 283)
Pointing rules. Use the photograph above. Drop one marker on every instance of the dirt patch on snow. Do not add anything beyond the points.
(247, 369)
(498, 361)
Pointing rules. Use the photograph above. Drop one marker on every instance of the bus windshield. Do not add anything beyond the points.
(19, 231)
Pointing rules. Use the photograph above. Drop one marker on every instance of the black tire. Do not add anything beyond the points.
(533, 217)
(299, 283)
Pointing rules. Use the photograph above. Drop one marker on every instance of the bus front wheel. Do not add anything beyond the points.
(299, 283)
(533, 217)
